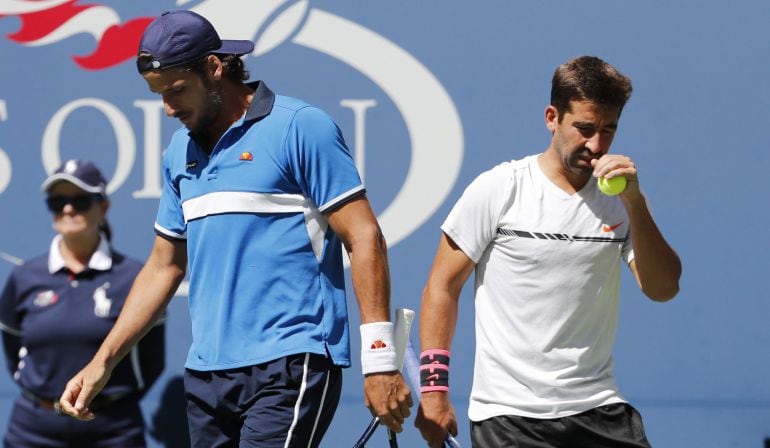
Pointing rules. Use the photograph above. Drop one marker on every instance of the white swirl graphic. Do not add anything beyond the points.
(431, 118)
(434, 126)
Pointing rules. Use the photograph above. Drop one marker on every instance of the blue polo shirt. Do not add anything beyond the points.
(265, 269)
(54, 321)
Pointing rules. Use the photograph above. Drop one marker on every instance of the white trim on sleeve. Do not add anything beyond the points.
(167, 232)
(10, 330)
(341, 198)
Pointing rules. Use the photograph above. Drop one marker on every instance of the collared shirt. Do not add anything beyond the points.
(265, 269)
(54, 320)
(101, 260)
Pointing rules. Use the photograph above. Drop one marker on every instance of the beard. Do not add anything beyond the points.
(579, 162)
(210, 110)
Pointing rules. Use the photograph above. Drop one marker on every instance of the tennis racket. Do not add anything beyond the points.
(410, 366)
(411, 371)
(401, 329)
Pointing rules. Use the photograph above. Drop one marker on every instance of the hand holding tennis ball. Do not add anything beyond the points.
(613, 186)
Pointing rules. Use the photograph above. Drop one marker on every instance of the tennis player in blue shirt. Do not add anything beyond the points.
(260, 194)
(57, 308)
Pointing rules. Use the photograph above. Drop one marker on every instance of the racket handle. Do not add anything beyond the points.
(392, 442)
(451, 442)
(367, 433)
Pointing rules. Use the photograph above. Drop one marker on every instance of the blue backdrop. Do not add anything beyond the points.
(429, 94)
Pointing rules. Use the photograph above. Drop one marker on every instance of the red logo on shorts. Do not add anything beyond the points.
(245, 155)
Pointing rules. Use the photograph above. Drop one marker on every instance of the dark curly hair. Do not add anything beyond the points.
(589, 78)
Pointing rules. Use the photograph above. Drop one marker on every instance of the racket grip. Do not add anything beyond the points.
(392, 442)
(451, 442)
(412, 369)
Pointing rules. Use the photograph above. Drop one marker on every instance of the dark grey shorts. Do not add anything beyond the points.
(612, 426)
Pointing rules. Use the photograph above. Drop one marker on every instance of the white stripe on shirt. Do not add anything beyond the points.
(221, 202)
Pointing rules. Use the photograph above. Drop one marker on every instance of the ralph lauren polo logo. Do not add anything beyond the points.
(102, 303)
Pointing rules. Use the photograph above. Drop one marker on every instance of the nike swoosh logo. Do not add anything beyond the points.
(433, 377)
(606, 228)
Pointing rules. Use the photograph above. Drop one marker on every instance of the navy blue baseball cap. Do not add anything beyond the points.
(82, 173)
(178, 37)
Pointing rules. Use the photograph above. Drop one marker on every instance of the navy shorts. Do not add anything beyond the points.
(616, 425)
(118, 425)
(288, 402)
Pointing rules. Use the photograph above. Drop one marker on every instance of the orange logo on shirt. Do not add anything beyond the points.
(245, 155)
(606, 228)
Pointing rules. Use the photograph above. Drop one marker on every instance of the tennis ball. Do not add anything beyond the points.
(612, 186)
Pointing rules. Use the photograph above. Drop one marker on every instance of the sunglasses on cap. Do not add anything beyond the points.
(80, 202)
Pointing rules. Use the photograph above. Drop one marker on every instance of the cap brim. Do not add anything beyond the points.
(235, 47)
(64, 177)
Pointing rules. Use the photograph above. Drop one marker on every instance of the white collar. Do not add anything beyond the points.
(101, 260)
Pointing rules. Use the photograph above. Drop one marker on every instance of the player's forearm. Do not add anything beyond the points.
(370, 275)
(438, 317)
(150, 293)
(658, 266)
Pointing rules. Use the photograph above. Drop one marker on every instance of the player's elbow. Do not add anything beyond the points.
(660, 284)
(662, 293)
(366, 234)
(439, 292)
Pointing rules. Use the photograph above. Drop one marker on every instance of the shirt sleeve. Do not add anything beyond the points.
(170, 222)
(320, 161)
(9, 322)
(11, 347)
(472, 223)
(9, 317)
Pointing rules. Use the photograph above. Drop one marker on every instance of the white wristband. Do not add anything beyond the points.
(378, 350)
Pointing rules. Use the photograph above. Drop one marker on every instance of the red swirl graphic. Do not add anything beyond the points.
(115, 45)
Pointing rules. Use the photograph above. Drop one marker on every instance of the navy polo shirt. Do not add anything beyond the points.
(54, 321)
(265, 269)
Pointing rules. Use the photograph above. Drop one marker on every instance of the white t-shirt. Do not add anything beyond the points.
(547, 284)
